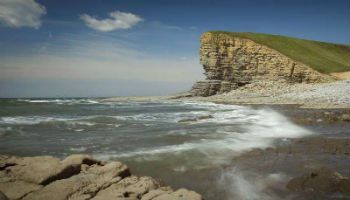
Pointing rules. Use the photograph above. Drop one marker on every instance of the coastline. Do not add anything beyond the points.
(329, 123)
(310, 152)
(316, 96)
(332, 95)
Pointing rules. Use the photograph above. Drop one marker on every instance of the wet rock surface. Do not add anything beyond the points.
(78, 177)
(312, 168)
(320, 180)
(204, 117)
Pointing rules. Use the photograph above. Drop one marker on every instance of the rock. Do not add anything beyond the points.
(84, 185)
(187, 120)
(232, 62)
(130, 187)
(345, 117)
(3, 196)
(77, 177)
(196, 119)
(205, 117)
(155, 193)
(181, 194)
(46, 169)
(321, 180)
(18, 189)
(344, 186)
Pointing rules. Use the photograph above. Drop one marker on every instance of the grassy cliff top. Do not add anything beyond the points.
(321, 56)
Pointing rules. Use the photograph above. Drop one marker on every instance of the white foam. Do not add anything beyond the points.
(29, 120)
(163, 117)
(61, 101)
(236, 129)
(245, 129)
(78, 149)
(177, 132)
(32, 120)
(81, 123)
(239, 185)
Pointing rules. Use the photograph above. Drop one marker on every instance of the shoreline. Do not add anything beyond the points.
(331, 95)
(272, 167)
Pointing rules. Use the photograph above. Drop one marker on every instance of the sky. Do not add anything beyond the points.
(94, 48)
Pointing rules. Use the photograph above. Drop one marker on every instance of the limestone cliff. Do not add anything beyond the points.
(231, 62)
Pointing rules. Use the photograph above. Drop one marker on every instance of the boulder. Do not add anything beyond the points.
(84, 185)
(345, 117)
(181, 194)
(18, 189)
(77, 177)
(45, 169)
(131, 188)
(3, 196)
(157, 192)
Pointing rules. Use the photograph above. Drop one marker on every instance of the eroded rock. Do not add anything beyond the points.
(77, 177)
(44, 169)
(131, 187)
(3, 196)
(232, 62)
(181, 194)
(18, 189)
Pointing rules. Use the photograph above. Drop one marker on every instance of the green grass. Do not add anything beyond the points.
(321, 56)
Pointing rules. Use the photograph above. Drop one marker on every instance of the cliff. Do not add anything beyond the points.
(231, 61)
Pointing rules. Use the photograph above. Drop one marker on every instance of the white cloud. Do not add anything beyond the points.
(21, 13)
(117, 20)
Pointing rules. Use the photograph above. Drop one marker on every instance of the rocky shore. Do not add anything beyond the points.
(315, 167)
(317, 95)
(79, 177)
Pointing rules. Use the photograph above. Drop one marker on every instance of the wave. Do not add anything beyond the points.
(237, 184)
(164, 117)
(34, 120)
(78, 149)
(230, 129)
(206, 109)
(245, 129)
(211, 106)
(29, 120)
(61, 101)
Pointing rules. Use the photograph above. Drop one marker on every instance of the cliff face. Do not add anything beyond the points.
(231, 62)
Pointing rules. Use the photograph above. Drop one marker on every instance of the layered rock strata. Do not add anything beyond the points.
(231, 62)
(79, 177)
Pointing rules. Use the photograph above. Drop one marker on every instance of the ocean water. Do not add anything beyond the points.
(181, 143)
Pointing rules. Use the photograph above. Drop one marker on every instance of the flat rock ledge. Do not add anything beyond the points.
(79, 177)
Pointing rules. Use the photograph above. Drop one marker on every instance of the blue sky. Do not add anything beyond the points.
(138, 47)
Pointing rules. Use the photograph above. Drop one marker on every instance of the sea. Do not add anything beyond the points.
(180, 143)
